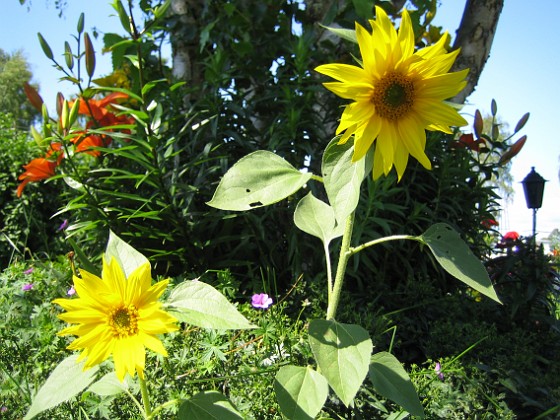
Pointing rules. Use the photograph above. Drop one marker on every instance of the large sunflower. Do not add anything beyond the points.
(397, 94)
(117, 315)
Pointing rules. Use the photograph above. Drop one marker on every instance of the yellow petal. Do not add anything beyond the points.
(343, 73)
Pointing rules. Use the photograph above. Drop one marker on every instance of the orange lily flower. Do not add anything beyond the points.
(97, 109)
(40, 168)
(84, 143)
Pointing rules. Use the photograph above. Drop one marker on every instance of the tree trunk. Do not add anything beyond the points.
(474, 36)
(185, 41)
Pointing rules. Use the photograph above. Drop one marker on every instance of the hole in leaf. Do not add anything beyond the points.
(248, 190)
(255, 204)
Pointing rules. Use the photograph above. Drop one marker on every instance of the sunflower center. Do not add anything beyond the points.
(393, 96)
(124, 321)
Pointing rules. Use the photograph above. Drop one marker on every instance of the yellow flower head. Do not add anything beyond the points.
(397, 94)
(117, 316)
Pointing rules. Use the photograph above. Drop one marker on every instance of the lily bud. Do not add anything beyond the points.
(90, 55)
(33, 96)
(45, 46)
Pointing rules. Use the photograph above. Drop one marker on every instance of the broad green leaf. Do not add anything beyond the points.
(256, 180)
(316, 217)
(208, 405)
(301, 392)
(342, 178)
(391, 380)
(66, 381)
(128, 258)
(342, 352)
(109, 385)
(199, 304)
(456, 258)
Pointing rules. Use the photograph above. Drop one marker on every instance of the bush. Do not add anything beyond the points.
(27, 227)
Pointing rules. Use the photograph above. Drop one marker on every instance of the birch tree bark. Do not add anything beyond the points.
(474, 36)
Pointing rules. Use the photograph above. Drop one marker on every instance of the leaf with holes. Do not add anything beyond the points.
(256, 180)
(456, 258)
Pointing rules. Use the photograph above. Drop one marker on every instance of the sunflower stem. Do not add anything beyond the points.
(145, 398)
(334, 296)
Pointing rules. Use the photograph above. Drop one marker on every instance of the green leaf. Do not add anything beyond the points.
(208, 405)
(67, 380)
(342, 178)
(316, 218)
(456, 258)
(301, 392)
(85, 262)
(200, 304)
(128, 258)
(343, 353)
(347, 34)
(391, 380)
(109, 385)
(256, 180)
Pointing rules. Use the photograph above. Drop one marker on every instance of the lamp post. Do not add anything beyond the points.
(533, 187)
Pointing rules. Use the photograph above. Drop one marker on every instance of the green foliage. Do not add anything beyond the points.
(66, 381)
(26, 225)
(527, 281)
(14, 73)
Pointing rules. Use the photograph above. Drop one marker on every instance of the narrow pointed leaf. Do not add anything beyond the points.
(347, 34)
(66, 381)
(199, 304)
(342, 178)
(256, 180)
(343, 353)
(128, 258)
(301, 392)
(316, 218)
(391, 380)
(456, 258)
(208, 405)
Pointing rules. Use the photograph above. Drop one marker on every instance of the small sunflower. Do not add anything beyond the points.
(398, 94)
(117, 316)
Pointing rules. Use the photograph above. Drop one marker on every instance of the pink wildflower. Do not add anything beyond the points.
(261, 301)
(27, 287)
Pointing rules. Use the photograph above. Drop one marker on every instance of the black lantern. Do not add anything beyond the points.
(533, 186)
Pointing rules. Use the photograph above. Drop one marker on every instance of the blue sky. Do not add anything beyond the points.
(521, 75)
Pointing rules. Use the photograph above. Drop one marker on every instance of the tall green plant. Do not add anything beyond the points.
(389, 115)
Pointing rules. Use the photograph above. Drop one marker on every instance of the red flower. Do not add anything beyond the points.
(511, 236)
(84, 143)
(488, 223)
(468, 141)
(103, 118)
(97, 109)
(40, 168)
